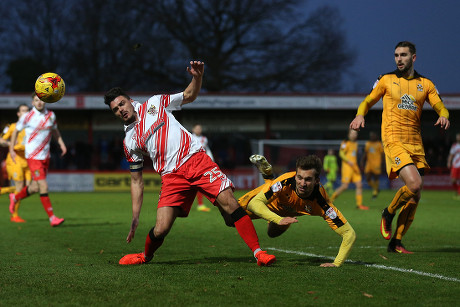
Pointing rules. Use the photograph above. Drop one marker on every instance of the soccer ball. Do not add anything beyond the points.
(50, 87)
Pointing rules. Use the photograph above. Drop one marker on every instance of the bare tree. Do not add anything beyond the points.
(264, 45)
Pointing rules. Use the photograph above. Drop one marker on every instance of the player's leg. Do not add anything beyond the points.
(155, 238)
(19, 185)
(244, 226)
(274, 230)
(407, 199)
(339, 191)
(376, 187)
(359, 196)
(262, 165)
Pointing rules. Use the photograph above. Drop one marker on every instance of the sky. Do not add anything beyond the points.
(373, 28)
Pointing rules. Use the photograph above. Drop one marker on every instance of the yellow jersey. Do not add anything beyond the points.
(284, 201)
(19, 147)
(373, 151)
(403, 101)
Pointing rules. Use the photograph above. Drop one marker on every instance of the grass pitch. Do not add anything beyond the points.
(205, 263)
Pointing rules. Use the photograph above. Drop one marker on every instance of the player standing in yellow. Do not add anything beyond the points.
(295, 194)
(350, 169)
(18, 170)
(372, 161)
(404, 91)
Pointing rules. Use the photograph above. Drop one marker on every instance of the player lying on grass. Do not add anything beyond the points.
(183, 164)
(295, 194)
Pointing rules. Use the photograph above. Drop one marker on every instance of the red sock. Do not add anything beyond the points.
(21, 194)
(458, 189)
(199, 197)
(151, 244)
(245, 228)
(46, 204)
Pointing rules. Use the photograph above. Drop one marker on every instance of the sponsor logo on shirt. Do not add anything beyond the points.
(407, 103)
(276, 187)
(331, 213)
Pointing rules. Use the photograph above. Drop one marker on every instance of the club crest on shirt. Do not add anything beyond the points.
(276, 187)
(407, 103)
(419, 87)
(308, 208)
(152, 110)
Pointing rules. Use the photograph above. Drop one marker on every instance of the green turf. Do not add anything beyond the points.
(205, 263)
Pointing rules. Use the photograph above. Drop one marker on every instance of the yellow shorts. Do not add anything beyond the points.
(398, 155)
(350, 175)
(372, 168)
(19, 170)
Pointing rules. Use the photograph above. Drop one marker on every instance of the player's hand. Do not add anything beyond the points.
(134, 224)
(328, 265)
(196, 69)
(443, 122)
(63, 149)
(357, 123)
(13, 155)
(288, 220)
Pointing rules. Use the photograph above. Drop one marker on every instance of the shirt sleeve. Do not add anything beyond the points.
(258, 206)
(20, 122)
(378, 90)
(174, 101)
(135, 160)
(348, 239)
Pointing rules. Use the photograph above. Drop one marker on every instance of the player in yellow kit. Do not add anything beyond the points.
(295, 194)
(372, 162)
(350, 169)
(403, 92)
(18, 170)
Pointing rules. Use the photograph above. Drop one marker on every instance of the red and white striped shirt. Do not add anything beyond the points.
(39, 127)
(159, 135)
(455, 152)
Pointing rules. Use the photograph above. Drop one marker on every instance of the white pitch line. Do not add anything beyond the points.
(369, 265)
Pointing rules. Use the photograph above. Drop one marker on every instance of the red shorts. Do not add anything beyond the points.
(455, 173)
(198, 173)
(38, 168)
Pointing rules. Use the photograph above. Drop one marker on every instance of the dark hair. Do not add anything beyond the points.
(407, 44)
(22, 105)
(114, 93)
(310, 162)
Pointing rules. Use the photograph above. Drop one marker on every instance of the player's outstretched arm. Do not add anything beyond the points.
(60, 141)
(137, 197)
(196, 70)
(348, 239)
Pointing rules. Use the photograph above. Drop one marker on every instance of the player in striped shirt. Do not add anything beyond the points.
(39, 125)
(185, 168)
(453, 162)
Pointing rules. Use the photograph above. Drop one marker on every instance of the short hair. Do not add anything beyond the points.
(407, 44)
(310, 162)
(22, 105)
(114, 93)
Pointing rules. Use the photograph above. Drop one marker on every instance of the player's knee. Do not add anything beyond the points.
(160, 231)
(415, 187)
